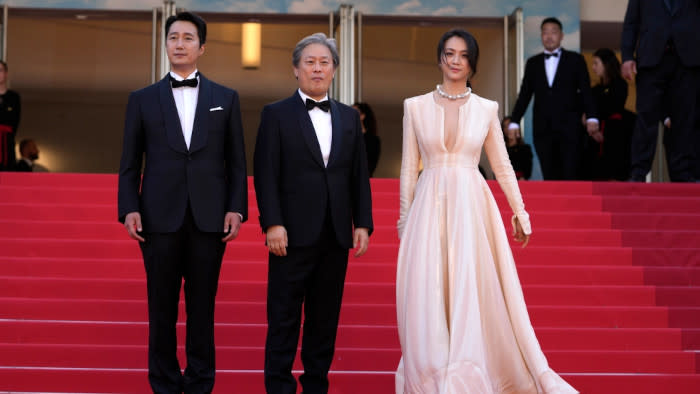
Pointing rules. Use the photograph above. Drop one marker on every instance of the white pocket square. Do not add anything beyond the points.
(215, 109)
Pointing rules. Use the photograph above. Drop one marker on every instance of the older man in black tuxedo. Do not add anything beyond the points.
(312, 187)
(191, 201)
(665, 37)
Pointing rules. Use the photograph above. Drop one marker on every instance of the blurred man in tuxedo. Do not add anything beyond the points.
(560, 83)
(660, 41)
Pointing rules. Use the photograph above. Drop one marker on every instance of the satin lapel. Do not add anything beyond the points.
(543, 71)
(173, 130)
(562, 63)
(200, 129)
(675, 5)
(307, 129)
(337, 133)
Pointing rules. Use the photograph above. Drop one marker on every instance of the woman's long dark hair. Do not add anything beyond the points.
(370, 122)
(610, 64)
(472, 48)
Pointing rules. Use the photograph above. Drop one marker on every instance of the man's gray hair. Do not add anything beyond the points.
(316, 38)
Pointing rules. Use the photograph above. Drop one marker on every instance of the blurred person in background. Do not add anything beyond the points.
(558, 78)
(660, 41)
(608, 153)
(10, 109)
(369, 131)
(29, 154)
(519, 152)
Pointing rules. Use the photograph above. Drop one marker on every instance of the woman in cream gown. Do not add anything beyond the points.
(462, 320)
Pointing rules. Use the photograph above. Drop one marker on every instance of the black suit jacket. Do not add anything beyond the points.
(22, 166)
(650, 24)
(293, 187)
(210, 175)
(558, 107)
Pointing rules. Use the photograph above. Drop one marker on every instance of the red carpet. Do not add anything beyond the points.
(611, 278)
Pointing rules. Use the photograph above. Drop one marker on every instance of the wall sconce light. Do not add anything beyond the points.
(250, 45)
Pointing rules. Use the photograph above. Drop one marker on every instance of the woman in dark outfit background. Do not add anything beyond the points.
(519, 152)
(9, 121)
(610, 159)
(369, 130)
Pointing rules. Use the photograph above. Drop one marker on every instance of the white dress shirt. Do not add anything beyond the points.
(322, 126)
(186, 103)
(551, 64)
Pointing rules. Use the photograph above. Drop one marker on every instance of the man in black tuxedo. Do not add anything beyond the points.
(559, 80)
(191, 201)
(665, 36)
(312, 187)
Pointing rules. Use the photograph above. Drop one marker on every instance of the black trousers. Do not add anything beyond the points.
(169, 258)
(559, 153)
(313, 277)
(667, 89)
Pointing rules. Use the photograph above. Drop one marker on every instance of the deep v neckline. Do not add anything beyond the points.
(443, 123)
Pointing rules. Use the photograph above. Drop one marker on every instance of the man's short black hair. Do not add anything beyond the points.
(189, 17)
(23, 144)
(554, 20)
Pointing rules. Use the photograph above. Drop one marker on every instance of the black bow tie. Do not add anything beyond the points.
(324, 105)
(548, 55)
(192, 82)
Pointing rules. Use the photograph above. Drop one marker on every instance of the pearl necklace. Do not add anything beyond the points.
(452, 96)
